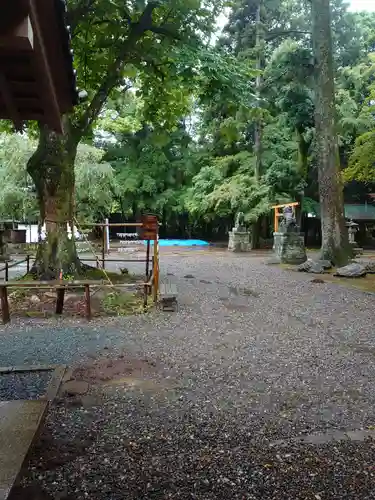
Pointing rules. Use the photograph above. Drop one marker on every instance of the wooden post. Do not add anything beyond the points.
(103, 248)
(106, 236)
(60, 291)
(4, 304)
(28, 263)
(276, 220)
(147, 274)
(156, 271)
(147, 259)
(88, 301)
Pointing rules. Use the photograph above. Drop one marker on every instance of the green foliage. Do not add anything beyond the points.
(122, 303)
(361, 122)
(152, 167)
(362, 161)
(226, 184)
(96, 185)
(169, 123)
(17, 199)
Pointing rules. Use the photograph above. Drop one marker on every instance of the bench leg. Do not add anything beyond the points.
(60, 300)
(88, 301)
(4, 304)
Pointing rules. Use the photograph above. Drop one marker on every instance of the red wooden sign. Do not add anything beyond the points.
(150, 227)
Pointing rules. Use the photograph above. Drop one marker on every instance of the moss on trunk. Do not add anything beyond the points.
(52, 170)
(335, 245)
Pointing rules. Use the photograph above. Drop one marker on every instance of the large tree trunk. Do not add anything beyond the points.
(258, 126)
(52, 170)
(335, 245)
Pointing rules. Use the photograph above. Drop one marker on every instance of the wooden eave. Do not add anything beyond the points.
(37, 79)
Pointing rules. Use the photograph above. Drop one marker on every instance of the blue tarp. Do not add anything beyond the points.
(181, 243)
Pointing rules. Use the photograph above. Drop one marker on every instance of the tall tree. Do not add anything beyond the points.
(335, 246)
(113, 42)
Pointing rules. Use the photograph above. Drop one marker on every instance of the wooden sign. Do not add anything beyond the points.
(150, 227)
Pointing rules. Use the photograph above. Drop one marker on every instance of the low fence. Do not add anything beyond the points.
(9, 264)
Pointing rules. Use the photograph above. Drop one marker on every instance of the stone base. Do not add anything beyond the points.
(239, 242)
(357, 250)
(290, 247)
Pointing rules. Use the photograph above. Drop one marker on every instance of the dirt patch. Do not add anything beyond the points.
(234, 306)
(104, 302)
(32, 492)
(106, 370)
(57, 451)
(75, 388)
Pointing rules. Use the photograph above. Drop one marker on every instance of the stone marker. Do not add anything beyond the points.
(239, 237)
(353, 270)
(311, 266)
(315, 266)
(369, 265)
(75, 387)
(288, 242)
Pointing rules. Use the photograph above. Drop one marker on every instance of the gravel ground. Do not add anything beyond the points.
(28, 385)
(255, 358)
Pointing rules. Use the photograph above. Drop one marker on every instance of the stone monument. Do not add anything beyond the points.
(239, 237)
(288, 241)
(352, 229)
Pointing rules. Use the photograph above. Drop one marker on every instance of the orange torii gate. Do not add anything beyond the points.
(278, 214)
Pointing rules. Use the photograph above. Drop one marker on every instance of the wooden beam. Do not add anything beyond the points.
(12, 14)
(294, 204)
(21, 88)
(48, 93)
(27, 103)
(9, 102)
(21, 38)
(25, 116)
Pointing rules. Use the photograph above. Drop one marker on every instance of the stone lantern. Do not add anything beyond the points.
(352, 230)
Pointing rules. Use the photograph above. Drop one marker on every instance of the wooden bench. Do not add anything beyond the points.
(59, 286)
(168, 296)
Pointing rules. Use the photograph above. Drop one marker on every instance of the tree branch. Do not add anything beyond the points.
(97, 23)
(113, 74)
(164, 30)
(272, 36)
(74, 16)
(145, 20)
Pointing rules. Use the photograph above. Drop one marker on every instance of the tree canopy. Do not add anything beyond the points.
(169, 122)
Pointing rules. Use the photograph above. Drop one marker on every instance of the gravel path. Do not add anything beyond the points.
(28, 385)
(255, 358)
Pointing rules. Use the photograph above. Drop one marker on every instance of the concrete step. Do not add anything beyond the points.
(19, 423)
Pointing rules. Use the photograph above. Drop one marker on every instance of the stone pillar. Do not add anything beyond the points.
(239, 241)
(289, 248)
